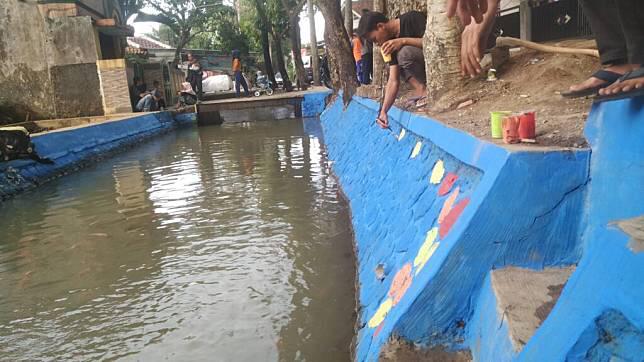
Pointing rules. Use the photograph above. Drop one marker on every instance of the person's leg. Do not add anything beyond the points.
(412, 64)
(367, 67)
(199, 85)
(145, 103)
(244, 84)
(237, 83)
(604, 22)
(631, 14)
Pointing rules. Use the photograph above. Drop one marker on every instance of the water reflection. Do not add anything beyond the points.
(224, 243)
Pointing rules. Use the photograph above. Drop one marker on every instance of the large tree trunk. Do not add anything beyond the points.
(279, 55)
(183, 40)
(315, 60)
(268, 64)
(348, 17)
(398, 7)
(442, 48)
(378, 63)
(296, 46)
(339, 50)
(266, 46)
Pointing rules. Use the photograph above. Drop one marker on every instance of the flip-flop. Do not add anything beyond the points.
(635, 92)
(412, 102)
(606, 75)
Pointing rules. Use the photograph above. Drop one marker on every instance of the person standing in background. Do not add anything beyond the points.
(367, 57)
(356, 45)
(239, 77)
(195, 75)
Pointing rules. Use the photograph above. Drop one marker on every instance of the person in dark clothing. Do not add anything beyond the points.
(619, 33)
(367, 57)
(401, 42)
(137, 91)
(149, 101)
(195, 75)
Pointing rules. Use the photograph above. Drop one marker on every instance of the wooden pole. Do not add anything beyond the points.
(525, 20)
(315, 60)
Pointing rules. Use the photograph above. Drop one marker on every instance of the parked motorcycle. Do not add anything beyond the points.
(263, 84)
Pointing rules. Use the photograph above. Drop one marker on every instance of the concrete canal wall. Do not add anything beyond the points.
(468, 245)
(70, 147)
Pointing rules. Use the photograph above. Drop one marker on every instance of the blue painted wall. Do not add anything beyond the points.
(610, 275)
(522, 210)
(70, 147)
(314, 103)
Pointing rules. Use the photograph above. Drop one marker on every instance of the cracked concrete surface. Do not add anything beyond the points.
(635, 229)
(526, 297)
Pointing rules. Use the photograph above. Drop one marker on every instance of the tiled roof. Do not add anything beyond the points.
(145, 42)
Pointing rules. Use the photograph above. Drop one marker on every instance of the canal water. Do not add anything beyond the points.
(222, 243)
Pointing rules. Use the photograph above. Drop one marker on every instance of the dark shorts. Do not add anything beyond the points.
(412, 63)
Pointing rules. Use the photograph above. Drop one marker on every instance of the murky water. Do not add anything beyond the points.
(209, 244)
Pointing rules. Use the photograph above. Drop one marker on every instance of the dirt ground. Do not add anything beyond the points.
(395, 351)
(529, 81)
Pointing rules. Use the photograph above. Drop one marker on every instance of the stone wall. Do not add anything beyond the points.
(24, 71)
(114, 86)
(39, 57)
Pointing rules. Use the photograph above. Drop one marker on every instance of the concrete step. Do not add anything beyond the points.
(513, 303)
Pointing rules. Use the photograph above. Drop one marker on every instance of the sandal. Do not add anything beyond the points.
(635, 92)
(415, 102)
(606, 75)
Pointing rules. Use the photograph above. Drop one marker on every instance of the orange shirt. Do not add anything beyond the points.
(236, 65)
(357, 48)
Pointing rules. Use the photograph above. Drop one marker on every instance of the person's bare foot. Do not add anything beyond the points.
(623, 86)
(594, 82)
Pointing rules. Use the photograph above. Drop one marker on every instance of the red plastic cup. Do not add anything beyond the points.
(527, 126)
(511, 129)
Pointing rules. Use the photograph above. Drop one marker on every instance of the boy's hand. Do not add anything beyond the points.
(391, 46)
(471, 50)
(383, 120)
(466, 9)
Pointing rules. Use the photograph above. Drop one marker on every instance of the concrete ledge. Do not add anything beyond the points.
(513, 303)
(72, 147)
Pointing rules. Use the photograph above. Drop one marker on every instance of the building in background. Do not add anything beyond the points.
(61, 59)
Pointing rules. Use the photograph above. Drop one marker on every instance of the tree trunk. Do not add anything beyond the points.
(343, 68)
(378, 63)
(268, 64)
(315, 60)
(183, 40)
(398, 7)
(266, 47)
(296, 46)
(348, 17)
(277, 43)
(442, 48)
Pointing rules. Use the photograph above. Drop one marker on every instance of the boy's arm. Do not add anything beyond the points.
(474, 38)
(394, 45)
(391, 91)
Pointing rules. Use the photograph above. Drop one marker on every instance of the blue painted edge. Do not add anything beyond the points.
(314, 103)
(73, 146)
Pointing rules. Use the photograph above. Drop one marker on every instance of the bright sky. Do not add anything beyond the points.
(146, 28)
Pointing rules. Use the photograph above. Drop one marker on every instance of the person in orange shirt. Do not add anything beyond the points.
(356, 45)
(239, 77)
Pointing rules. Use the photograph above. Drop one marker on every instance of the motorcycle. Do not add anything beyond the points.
(264, 86)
